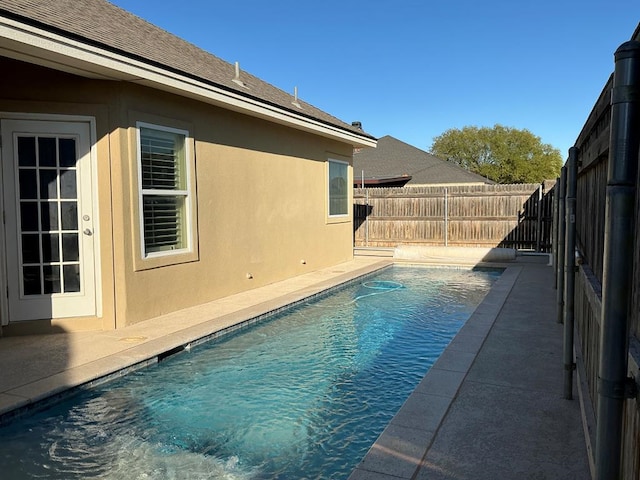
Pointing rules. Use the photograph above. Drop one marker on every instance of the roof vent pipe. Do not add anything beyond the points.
(295, 97)
(236, 79)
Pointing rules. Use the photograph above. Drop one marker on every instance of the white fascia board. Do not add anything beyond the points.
(27, 43)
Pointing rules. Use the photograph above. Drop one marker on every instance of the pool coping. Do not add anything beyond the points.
(402, 447)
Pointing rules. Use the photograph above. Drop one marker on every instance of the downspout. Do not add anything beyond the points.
(613, 384)
(570, 271)
(561, 240)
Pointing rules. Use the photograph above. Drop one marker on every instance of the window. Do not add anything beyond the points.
(164, 190)
(338, 188)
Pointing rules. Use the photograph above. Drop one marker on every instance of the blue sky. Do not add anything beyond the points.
(414, 68)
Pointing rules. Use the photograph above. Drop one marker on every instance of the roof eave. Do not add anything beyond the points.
(39, 46)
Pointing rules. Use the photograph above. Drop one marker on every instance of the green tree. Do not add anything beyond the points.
(502, 154)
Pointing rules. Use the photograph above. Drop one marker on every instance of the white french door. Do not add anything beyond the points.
(48, 208)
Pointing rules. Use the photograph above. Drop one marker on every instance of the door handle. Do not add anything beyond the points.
(87, 231)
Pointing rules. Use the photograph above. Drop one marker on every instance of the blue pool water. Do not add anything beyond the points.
(300, 396)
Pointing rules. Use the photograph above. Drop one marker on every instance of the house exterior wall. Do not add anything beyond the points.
(260, 196)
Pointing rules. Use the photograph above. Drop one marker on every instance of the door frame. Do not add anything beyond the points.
(4, 274)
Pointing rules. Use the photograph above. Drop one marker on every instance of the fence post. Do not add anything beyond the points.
(561, 241)
(366, 217)
(570, 271)
(446, 217)
(613, 384)
(539, 220)
(554, 234)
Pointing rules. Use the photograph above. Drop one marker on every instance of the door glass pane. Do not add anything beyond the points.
(70, 250)
(48, 184)
(67, 152)
(50, 247)
(26, 152)
(48, 205)
(28, 184)
(49, 216)
(30, 248)
(31, 280)
(71, 278)
(47, 151)
(69, 215)
(68, 185)
(29, 216)
(51, 279)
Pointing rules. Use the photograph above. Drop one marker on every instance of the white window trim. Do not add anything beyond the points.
(186, 193)
(328, 190)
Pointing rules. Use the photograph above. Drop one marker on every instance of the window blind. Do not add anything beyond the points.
(164, 193)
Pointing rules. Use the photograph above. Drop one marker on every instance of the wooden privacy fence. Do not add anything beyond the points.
(517, 216)
(598, 145)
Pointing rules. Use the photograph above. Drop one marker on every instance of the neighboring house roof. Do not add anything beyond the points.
(393, 158)
(400, 181)
(97, 39)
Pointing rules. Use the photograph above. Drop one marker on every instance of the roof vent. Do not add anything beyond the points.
(357, 125)
(295, 98)
(236, 79)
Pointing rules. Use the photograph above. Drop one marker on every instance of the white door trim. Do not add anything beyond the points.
(4, 280)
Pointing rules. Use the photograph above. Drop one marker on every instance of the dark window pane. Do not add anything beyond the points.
(70, 249)
(29, 216)
(48, 184)
(49, 216)
(50, 247)
(51, 279)
(69, 214)
(47, 151)
(71, 278)
(31, 280)
(338, 191)
(28, 184)
(26, 151)
(30, 248)
(163, 223)
(67, 148)
(68, 184)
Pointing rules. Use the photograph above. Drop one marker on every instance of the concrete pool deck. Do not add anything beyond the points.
(491, 407)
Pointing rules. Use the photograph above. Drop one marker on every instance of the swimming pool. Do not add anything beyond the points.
(301, 395)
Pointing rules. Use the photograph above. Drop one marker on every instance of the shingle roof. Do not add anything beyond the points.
(102, 24)
(393, 158)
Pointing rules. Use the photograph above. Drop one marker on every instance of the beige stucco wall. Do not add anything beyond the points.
(260, 191)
